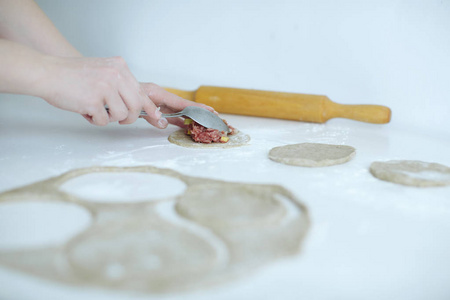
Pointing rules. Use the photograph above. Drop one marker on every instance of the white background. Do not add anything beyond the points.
(369, 239)
(388, 52)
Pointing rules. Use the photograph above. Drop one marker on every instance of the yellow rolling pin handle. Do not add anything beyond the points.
(290, 106)
(189, 95)
(376, 114)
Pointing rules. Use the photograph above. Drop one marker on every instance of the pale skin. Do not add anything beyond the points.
(49, 67)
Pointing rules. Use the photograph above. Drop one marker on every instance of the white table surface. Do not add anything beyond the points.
(368, 237)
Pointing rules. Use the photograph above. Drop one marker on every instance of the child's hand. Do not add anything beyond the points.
(86, 85)
(169, 103)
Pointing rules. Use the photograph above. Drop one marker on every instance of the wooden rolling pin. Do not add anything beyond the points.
(290, 106)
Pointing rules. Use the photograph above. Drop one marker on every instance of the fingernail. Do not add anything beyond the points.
(158, 113)
(162, 123)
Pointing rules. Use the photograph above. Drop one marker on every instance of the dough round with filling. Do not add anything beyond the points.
(312, 154)
(412, 173)
(180, 138)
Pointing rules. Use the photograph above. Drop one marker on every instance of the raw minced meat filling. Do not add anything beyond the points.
(201, 134)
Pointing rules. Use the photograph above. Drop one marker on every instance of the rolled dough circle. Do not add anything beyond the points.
(180, 138)
(134, 249)
(212, 232)
(230, 206)
(312, 154)
(412, 173)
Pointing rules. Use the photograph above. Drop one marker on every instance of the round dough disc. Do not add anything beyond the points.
(182, 139)
(411, 172)
(231, 207)
(312, 155)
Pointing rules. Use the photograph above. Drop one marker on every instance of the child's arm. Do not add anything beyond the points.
(78, 84)
(37, 60)
(22, 21)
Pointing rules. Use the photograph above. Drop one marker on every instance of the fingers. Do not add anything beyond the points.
(133, 99)
(118, 111)
(116, 87)
(89, 84)
(98, 117)
(161, 97)
(154, 115)
(134, 106)
(88, 118)
(136, 100)
(172, 102)
(177, 122)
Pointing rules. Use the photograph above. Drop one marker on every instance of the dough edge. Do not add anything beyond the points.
(48, 189)
(181, 139)
(387, 171)
(305, 162)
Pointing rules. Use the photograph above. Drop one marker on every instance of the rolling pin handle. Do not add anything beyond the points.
(376, 114)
